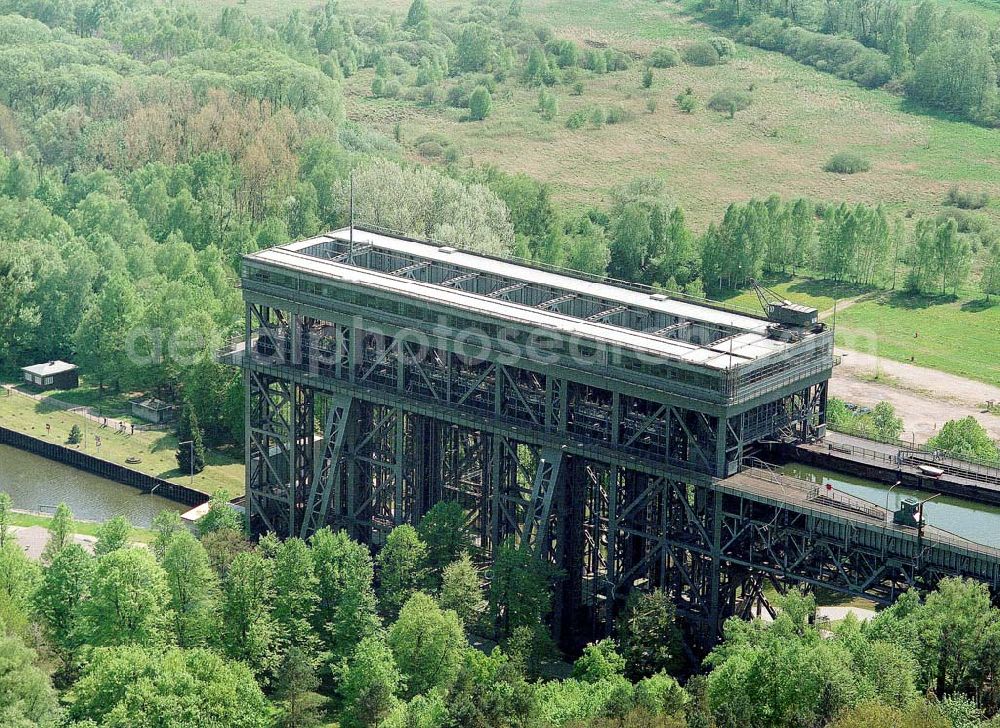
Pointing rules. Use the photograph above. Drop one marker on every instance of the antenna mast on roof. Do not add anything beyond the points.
(351, 243)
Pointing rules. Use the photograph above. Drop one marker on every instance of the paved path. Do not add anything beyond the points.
(837, 614)
(924, 398)
(34, 538)
(843, 304)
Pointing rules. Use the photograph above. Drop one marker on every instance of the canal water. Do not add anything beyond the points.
(38, 484)
(974, 521)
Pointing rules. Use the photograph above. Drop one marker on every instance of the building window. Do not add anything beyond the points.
(47, 381)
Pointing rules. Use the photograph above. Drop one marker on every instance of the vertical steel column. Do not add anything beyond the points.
(428, 456)
(571, 499)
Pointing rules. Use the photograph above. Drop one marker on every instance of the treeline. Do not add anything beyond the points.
(648, 242)
(206, 629)
(964, 438)
(942, 58)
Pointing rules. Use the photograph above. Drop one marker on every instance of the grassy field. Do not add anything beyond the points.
(799, 118)
(819, 294)
(946, 334)
(955, 334)
(156, 449)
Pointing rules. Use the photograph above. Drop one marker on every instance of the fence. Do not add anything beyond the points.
(968, 462)
(104, 468)
(904, 453)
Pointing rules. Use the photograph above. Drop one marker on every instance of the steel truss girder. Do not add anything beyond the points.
(546, 483)
(339, 418)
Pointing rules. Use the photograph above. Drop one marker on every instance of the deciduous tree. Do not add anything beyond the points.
(249, 632)
(129, 601)
(112, 535)
(371, 683)
(427, 644)
(462, 591)
(60, 596)
(402, 568)
(194, 591)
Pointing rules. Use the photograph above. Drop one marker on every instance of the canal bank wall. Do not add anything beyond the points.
(112, 471)
(885, 467)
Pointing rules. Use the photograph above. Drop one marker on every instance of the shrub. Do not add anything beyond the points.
(966, 199)
(595, 61)
(576, 120)
(730, 101)
(724, 47)
(702, 53)
(647, 77)
(597, 117)
(458, 97)
(665, 57)
(433, 94)
(616, 60)
(480, 103)
(687, 101)
(615, 115)
(548, 105)
(847, 163)
(430, 150)
(651, 105)
(75, 436)
(578, 88)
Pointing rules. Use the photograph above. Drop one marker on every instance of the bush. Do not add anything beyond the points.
(967, 200)
(702, 53)
(430, 150)
(724, 47)
(480, 103)
(458, 97)
(615, 115)
(578, 88)
(665, 57)
(687, 101)
(651, 105)
(75, 436)
(548, 105)
(847, 163)
(730, 101)
(616, 60)
(577, 120)
(597, 117)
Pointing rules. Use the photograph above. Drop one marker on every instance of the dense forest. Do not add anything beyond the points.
(205, 629)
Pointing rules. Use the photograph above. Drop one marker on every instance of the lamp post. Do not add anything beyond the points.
(889, 493)
(191, 461)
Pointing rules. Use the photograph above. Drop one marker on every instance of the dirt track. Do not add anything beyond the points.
(924, 398)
